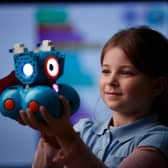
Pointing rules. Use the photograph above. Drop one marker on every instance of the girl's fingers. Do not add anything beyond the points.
(50, 123)
(66, 106)
(24, 118)
(46, 116)
(35, 123)
(29, 119)
(20, 121)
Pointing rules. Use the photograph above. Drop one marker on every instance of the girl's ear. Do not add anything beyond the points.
(159, 86)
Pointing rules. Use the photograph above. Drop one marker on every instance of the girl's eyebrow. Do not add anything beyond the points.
(105, 65)
(121, 66)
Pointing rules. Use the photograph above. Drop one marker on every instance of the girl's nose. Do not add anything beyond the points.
(113, 81)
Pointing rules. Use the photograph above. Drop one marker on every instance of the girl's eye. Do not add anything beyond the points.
(105, 71)
(126, 72)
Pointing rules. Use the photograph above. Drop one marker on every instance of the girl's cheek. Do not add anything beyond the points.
(101, 83)
(101, 87)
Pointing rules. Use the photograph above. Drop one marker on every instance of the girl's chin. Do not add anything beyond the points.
(116, 107)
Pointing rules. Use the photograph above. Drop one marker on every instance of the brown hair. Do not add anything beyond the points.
(147, 49)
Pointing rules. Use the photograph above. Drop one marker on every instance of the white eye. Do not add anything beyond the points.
(52, 67)
(27, 69)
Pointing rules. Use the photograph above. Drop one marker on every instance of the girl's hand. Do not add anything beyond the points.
(52, 126)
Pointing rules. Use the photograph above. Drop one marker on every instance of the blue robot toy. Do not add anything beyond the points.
(37, 72)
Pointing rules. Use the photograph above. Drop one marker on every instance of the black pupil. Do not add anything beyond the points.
(51, 67)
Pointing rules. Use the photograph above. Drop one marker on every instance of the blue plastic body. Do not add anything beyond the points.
(43, 95)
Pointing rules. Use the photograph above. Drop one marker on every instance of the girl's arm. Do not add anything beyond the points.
(145, 157)
(75, 156)
(47, 155)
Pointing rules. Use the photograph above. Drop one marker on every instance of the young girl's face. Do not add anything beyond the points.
(122, 87)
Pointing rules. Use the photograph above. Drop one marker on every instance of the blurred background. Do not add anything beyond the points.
(79, 30)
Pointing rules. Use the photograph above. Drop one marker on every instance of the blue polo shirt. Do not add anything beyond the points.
(113, 145)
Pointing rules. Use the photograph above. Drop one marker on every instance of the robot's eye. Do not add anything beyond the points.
(52, 67)
(27, 69)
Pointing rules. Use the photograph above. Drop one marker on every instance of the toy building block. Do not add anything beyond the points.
(18, 48)
(47, 45)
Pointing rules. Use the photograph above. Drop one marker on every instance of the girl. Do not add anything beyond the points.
(133, 84)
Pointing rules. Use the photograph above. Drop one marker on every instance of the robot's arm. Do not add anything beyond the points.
(8, 80)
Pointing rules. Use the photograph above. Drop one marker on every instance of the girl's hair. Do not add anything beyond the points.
(147, 49)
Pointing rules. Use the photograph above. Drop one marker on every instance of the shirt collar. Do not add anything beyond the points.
(101, 127)
(129, 130)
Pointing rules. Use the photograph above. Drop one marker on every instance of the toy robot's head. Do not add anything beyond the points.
(38, 67)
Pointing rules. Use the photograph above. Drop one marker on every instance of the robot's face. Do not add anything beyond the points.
(41, 67)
